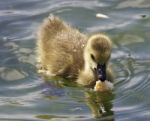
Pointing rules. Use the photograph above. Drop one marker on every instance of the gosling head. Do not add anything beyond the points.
(97, 54)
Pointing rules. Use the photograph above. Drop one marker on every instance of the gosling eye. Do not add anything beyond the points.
(92, 56)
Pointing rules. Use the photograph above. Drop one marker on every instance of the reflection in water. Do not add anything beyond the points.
(100, 104)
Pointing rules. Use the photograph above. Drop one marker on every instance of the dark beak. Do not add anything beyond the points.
(101, 72)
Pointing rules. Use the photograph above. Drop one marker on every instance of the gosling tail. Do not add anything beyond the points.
(50, 27)
(48, 31)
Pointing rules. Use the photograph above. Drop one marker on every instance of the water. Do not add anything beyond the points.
(24, 96)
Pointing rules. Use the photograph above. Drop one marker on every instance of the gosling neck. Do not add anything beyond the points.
(87, 67)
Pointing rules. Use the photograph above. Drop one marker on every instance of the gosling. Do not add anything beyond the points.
(63, 51)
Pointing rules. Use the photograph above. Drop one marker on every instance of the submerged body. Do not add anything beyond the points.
(64, 51)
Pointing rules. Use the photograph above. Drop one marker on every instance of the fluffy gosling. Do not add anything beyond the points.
(63, 51)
